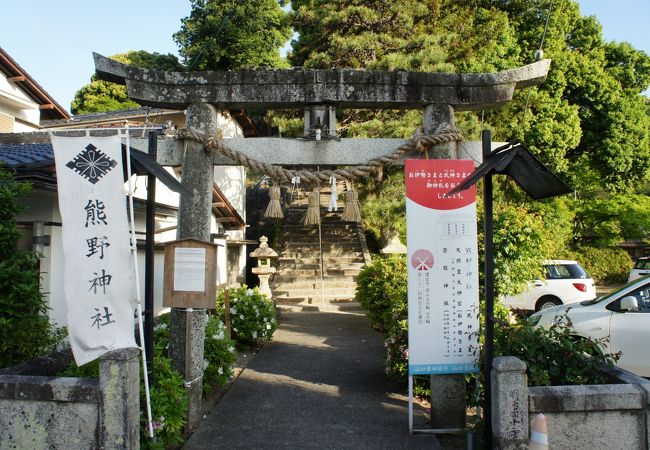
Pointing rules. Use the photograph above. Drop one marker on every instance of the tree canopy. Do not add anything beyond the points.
(233, 34)
(101, 96)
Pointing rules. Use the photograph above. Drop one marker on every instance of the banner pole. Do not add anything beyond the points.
(410, 404)
(134, 252)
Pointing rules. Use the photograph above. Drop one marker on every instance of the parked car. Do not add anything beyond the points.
(618, 322)
(566, 282)
(641, 268)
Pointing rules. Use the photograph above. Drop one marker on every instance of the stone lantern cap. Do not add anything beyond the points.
(264, 251)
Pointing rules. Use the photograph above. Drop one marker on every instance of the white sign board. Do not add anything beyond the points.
(189, 269)
(443, 305)
(98, 272)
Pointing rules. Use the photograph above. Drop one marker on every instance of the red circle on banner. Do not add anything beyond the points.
(422, 259)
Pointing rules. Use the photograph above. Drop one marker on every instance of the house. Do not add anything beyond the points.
(23, 102)
(26, 149)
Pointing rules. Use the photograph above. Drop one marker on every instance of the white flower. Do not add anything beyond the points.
(206, 363)
(221, 335)
(266, 320)
(268, 326)
(241, 316)
(220, 370)
(234, 299)
(254, 334)
(233, 311)
(249, 292)
(232, 349)
(235, 330)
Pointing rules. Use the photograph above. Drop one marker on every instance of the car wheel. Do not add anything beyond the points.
(547, 302)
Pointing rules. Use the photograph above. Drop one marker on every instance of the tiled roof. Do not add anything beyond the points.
(26, 155)
(81, 119)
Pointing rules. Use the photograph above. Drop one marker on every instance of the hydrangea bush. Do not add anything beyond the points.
(219, 353)
(252, 315)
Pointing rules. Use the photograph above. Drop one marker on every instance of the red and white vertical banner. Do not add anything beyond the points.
(98, 267)
(443, 295)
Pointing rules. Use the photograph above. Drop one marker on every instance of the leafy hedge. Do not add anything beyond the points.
(605, 265)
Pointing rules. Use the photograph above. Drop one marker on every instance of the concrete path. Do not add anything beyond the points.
(320, 384)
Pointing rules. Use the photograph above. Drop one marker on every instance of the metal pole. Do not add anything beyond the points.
(320, 251)
(149, 257)
(488, 229)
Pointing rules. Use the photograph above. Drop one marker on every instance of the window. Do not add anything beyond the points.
(6, 123)
(565, 272)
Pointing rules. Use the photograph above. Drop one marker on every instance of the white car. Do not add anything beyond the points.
(641, 268)
(618, 322)
(566, 282)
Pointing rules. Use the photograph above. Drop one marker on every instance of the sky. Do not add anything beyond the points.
(54, 40)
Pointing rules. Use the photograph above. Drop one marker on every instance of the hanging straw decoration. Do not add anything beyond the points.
(313, 209)
(334, 197)
(351, 213)
(274, 210)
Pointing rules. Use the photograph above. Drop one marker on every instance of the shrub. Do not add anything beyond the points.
(25, 330)
(553, 356)
(220, 355)
(252, 315)
(605, 265)
(382, 291)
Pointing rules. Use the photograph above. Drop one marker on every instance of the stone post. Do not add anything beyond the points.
(119, 407)
(509, 403)
(447, 391)
(187, 329)
(437, 118)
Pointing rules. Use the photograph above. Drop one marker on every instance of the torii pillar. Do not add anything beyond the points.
(187, 325)
(438, 94)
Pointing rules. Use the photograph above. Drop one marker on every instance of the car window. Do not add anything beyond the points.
(642, 264)
(565, 272)
(642, 295)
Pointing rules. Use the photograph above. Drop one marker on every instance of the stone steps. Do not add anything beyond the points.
(297, 284)
(315, 284)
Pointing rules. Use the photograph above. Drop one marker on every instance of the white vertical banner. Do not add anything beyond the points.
(98, 265)
(443, 306)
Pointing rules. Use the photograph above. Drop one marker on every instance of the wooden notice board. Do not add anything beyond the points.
(190, 274)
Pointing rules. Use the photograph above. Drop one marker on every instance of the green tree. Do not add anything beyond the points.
(587, 121)
(25, 331)
(233, 34)
(101, 96)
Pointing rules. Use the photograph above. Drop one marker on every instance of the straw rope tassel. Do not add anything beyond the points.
(274, 210)
(351, 213)
(313, 209)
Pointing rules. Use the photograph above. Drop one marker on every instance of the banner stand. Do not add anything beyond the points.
(428, 430)
(134, 253)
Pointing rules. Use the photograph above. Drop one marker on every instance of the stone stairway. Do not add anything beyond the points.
(298, 282)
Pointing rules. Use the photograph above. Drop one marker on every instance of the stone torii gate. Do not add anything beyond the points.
(201, 94)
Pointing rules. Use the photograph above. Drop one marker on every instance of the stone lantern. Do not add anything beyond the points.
(264, 270)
